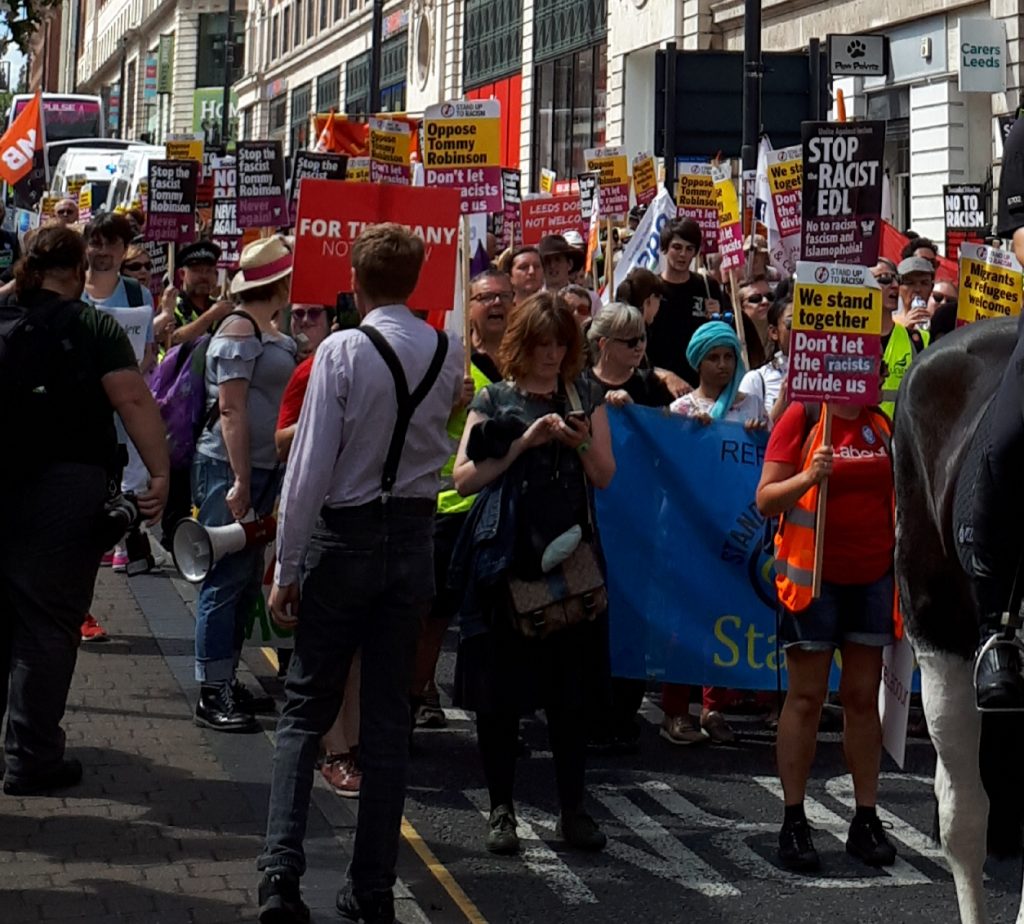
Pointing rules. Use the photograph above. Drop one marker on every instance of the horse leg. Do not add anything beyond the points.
(947, 690)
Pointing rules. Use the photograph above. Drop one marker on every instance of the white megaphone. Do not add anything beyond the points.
(197, 548)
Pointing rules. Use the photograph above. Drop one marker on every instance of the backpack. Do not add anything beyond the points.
(133, 292)
(178, 384)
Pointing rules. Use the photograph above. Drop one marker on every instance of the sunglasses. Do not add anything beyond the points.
(757, 297)
(631, 342)
(726, 316)
(887, 279)
(307, 314)
(138, 267)
(941, 300)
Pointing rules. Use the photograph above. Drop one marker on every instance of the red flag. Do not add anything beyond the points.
(325, 143)
(20, 143)
(893, 243)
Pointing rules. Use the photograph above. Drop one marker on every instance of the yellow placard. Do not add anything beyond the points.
(390, 142)
(547, 181)
(47, 204)
(465, 133)
(85, 198)
(990, 284)
(831, 309)
(695, 189)
(357, 170)
(645, 180)
(185, 149)
(611, 166)
(74, 184)
(726, 201)
(787, 176)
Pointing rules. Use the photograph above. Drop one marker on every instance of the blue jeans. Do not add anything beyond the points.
(367, 582)
(234, 584)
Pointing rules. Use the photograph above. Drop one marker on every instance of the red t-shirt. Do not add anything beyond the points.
(859, 531)
(295, 391)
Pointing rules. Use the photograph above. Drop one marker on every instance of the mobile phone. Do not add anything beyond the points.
(576, 415)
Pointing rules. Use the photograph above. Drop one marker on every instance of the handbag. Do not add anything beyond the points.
(570, 593)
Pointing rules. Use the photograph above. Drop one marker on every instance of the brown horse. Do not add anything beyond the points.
(940, 411)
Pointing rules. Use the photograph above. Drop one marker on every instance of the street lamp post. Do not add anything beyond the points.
(120, 89)
(229, 57)
(377, 32)
(751, 82)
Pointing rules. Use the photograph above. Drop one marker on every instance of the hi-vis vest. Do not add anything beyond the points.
(899, 354)
(794, 539)
(449, 500)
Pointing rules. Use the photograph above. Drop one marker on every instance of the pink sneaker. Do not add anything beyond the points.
(107, 560)
(92, 631)
(119, 562)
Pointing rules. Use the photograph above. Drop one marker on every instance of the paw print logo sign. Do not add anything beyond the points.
(858, 55)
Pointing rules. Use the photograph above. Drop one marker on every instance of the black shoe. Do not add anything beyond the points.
(998, 680)
(501, 831)
(217, 709)
(67, 773)
(280, 900)
(868, 842)
(796, 849)
(246, 701)
(579, 830)
(366, 907)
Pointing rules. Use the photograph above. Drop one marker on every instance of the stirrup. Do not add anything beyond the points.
(999, 640)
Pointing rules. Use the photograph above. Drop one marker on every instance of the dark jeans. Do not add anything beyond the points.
(49, 556)
(179, 504)
(368, 581)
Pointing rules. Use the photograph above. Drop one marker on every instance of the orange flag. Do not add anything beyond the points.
(325, 143)
(20, 143)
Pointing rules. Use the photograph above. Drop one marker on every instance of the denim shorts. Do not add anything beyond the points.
(859, 613)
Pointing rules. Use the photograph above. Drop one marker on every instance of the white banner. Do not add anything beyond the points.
(644, 247)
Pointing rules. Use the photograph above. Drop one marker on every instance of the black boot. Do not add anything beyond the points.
(218, 710)
(997, 671)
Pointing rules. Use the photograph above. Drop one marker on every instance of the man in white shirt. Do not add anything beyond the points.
(355, 533)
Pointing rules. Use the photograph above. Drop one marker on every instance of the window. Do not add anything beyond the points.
(247, 115)
(494, 40)
(286, 30)
(213, 29)
(310, 19)
(357, 84)
(324, 7)
(394, 55)
(302, 102)
(297, 33)
(569, 110)
(327, 89)
(567, 25)
(275, 25)
(353, 5)
(337, 9)
(278, 113)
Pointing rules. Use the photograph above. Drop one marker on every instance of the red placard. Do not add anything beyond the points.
(550, 215)
(332, 215)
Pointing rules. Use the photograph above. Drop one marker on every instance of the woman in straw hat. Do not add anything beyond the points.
(235, 472)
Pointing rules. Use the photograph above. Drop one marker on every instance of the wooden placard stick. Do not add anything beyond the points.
(819, 520)
(467, 332)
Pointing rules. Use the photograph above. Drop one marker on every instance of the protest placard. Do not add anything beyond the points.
(47, 204)
(85, 203)
(260, 190)
(695, 198)
(226, 233)
(73, 185)
(842, 191)
(966, 216)
(836, 344)
(331, 217)
(612, 168)
(550, 215)
(313, 165)
(785, 183)
(184, 147)
(547, 181)
(171, 209)
(358, 170)
(588, 185)
(730, 228)
(990, 284)
(462, 149)
(645, 179)
(390, 143)
(158, 257)
(512, 219)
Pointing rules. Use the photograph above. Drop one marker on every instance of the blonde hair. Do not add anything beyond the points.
(618, 321)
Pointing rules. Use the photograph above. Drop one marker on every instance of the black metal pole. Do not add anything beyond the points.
(670, 118)
(229, 60)
(817, 113)
(121, 94)
(751, 82)
(377, 39)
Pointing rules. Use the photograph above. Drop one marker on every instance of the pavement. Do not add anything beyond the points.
(169, 818)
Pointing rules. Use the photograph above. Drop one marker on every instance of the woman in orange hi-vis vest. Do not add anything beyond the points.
(854, 612)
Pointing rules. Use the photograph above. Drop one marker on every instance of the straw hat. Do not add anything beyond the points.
(262, 262)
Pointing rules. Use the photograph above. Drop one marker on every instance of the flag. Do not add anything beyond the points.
(644, 248)
(594, 233)
(20, 142)
(325, 141)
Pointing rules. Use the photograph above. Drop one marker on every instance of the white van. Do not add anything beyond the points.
(132, 169)
(97, 164)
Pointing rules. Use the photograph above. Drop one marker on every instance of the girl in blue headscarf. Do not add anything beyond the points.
(714, 351)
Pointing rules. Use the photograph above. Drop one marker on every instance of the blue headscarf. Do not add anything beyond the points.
(704, 340)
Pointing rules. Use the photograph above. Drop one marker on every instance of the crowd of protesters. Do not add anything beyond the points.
(410, 494)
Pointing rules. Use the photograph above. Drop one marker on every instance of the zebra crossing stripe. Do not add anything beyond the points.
(535, 854)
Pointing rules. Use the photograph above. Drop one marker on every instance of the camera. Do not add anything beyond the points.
(122, 519)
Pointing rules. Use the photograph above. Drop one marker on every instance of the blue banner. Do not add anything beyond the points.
(691, 590)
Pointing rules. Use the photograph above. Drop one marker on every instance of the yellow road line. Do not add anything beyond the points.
(441, 874)
(271, 655)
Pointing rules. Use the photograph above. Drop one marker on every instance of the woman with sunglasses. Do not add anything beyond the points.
(769, 381)
(138, 265)
(755, 299)
(618, 340)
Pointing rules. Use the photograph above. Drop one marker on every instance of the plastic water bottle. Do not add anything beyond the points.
(918, 302)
